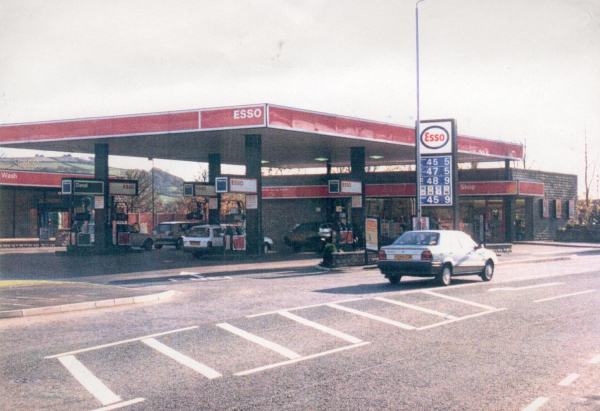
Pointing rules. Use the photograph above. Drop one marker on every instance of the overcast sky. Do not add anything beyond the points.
(513, 70)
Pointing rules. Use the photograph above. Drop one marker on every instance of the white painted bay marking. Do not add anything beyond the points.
(303, 307)
(563, 296)
(259, 340)
(120, 405)
(182, 359)
(416, 307)
(97, 347)
(190, 273)
(460, 300)
(89, 381)
(321, 327)
(522, 288)
(595, 360)
(460, 319)
(372, 316)
(569, 380)
(536, 404)
(308, 357)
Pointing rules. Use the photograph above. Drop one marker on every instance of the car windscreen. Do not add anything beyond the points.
(164, 228)
(418, 238)
(199, 232)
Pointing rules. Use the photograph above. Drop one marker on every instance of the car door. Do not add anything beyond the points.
(218, 235)
(475, 260)
(451, 246)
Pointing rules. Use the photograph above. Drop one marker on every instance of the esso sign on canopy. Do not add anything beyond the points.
(247, 113)
(435, 137)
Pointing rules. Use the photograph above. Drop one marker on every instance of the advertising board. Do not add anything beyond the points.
(372, 234)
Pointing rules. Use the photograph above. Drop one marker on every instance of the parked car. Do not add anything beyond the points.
(171, 233)
(439, 254)
(203, 239)
(139, 239)
(312, 235)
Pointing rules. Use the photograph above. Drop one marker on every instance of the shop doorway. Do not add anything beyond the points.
(494, 212)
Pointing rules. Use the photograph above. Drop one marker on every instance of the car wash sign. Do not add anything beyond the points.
(437, 144)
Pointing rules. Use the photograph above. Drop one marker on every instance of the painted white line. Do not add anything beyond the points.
(321, 327)
(595, 360)
(97, 347)
(536, 404)
(308, 357)
(89, 381)
(190, 273)
(460, 300)
(303, 307)
(569, 380)
(460, 319)
(416, 307)
(522, 288)
(120, 405)
(172, 279)
(563, 296)
(182, 359)
(372, 317)
(260, 341)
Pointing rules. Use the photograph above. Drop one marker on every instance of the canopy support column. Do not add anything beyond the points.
(357, 172)
(214, 170)
(102, 229)
(254, 235)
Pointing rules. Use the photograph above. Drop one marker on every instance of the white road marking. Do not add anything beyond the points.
(308, 357)
(89, 381)
(460, 319)
(416, 307)
(303, 307)
(97, 347)
(172, 279)
(595, 360)
(522, 288)
(460, 300)
(372, 316)
(259, 340)
(120, 405)
(569, 380)
(190, 273)
(536, 404)
(321, 327)
(182, 359)
(563, 296)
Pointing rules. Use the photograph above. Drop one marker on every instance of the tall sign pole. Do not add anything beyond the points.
(418, 128)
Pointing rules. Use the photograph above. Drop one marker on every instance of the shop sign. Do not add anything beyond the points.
(351, 187)
(436, 137)
(545, 208)
(204, 190)
(572, 209)
(371, 234)
(234, 117)
(243, 185)
(436, 181)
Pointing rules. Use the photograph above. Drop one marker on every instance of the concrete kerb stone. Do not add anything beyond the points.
(89, 305)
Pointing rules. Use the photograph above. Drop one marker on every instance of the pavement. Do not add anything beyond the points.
(23, 298)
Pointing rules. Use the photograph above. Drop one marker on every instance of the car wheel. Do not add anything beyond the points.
(394, 279)
(266, 248)
(158, 246)
(488, 272)
(147, 246)
(179, 243)
(445, 277)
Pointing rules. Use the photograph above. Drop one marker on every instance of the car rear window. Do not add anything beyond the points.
(164, 228)
(418, 238)
(199, 232)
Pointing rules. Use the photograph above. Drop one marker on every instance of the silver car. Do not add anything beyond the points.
(439, 254)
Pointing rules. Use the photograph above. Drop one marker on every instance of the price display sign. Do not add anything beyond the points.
(436, 180)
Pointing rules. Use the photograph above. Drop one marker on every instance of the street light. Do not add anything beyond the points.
(418, 127)
(153, 212)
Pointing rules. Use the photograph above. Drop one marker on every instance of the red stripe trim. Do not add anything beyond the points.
(530, 188)
(33, 179)
(154, 123)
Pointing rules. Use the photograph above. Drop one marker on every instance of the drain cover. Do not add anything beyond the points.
(25, 381)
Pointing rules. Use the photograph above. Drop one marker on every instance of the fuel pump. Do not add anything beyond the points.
(120, 230)
(82, 222)
(342, 230)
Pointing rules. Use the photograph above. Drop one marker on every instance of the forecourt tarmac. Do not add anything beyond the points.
(297, 338)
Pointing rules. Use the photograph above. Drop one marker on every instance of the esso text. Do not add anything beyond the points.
(247, 113)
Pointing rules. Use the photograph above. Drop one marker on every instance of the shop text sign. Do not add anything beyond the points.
(436, 137)
(436, 181)
(351, 187)
(123, 188)
(82, 187)
(232, 117)
(243, 185)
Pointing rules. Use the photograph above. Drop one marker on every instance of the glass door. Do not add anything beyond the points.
(494, 212)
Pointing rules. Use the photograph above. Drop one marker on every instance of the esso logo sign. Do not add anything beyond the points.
(435, 137)
(237, 182)
(247, 113)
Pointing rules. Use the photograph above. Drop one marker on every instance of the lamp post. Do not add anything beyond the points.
(418, 127)
(153, 211)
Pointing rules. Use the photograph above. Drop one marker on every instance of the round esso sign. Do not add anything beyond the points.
(435, 137)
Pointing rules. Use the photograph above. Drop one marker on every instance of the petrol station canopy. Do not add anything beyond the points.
(290, 137)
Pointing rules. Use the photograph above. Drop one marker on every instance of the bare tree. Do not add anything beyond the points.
(588, 180)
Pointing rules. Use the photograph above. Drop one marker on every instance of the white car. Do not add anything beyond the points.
(203, 239)
(439, 254)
